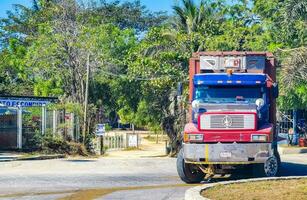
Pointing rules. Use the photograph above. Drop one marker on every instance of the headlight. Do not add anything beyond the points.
(196, 137)
(259, 103)
(193, 137)
(195, 104)
(259, 138)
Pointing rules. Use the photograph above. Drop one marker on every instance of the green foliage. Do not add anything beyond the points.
(52, 144)
(293, 79)
(33, 141)
(284, 22)
(108, 127)
(124, 14)
(77, 149)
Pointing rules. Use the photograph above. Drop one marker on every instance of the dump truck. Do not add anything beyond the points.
(232, 98)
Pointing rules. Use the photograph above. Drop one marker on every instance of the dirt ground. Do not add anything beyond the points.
(280, 189)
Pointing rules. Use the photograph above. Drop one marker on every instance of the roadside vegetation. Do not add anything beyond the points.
(262, 190)
(55, 144)
(137, 57)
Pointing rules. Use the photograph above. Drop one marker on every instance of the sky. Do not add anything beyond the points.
(153, 5)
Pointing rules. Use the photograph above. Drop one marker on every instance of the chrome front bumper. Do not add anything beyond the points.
(227, 153)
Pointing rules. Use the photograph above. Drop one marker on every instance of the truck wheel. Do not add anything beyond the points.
(187, 172)
(269, 168)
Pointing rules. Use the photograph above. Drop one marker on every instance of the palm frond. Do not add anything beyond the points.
(294, 67)
(296, 9)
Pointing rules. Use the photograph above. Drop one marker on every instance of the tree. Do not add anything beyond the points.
(190, 16)
(125, 14)
(283, 21)
(296, 10)
(293, 79)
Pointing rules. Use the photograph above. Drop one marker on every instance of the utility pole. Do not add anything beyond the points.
(86, 96)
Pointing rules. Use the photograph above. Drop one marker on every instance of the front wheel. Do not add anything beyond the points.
(269, 169)
(187, 172)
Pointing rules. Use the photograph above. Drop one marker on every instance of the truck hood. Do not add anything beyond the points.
(209, 107)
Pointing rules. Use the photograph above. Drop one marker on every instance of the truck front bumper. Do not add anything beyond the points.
(224, 153)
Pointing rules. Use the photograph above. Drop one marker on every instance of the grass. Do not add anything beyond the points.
(153, 138)
(132, 149)
(262, 190)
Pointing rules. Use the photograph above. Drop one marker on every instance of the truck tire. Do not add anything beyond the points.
(187, 172)
(270, 168)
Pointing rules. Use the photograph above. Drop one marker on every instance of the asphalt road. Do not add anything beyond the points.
(105, 178)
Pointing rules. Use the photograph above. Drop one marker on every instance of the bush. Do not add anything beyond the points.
(33, 141)
(90, 147)
(52, 144)
(77, 149)
(108, 127)
(56, 144)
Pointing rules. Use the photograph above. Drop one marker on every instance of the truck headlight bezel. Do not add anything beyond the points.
(259, 103)
(195, 105)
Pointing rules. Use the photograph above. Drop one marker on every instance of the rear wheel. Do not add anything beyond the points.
(188, 173)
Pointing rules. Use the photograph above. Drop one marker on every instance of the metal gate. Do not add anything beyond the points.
(284, 122)
(8, 129)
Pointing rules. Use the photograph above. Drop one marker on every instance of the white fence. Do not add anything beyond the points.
(117, 141)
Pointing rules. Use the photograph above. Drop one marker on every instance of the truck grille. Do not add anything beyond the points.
(227, 121)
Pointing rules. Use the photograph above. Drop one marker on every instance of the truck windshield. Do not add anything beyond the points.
(216, 94)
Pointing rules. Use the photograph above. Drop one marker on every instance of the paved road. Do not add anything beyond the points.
(104, 178)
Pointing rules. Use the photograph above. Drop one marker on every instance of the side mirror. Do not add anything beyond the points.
(179, 89)
(275, 90)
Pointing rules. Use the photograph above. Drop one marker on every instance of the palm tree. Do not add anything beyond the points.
(294, 67)
(296, 9)
(190, 15)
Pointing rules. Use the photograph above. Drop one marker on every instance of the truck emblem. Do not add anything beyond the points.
(227, 121)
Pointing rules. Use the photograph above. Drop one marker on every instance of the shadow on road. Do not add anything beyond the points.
(293, 169)
(287, 169)
(81, 161)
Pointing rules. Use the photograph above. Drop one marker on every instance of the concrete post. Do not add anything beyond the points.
(43, 119)
(54, 122)
(78, 128)
(72, 126)
(19, 127)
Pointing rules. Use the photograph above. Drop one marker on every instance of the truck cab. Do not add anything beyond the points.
(232, 116)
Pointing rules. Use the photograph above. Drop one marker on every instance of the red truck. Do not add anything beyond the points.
(232, 116)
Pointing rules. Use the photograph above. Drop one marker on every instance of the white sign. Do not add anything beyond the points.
(100, 129)
(132, 141)
(22, 103)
